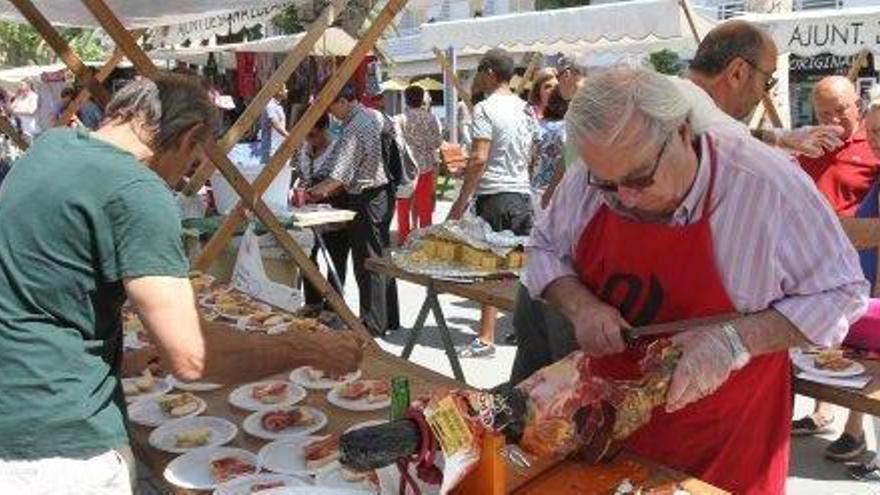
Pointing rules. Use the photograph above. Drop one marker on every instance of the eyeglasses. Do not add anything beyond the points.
(771, 79)
(635, 183)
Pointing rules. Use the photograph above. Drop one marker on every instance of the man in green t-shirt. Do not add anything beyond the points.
(88, 220)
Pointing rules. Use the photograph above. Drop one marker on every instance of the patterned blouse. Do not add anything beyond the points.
(549, 152)
(422, 135)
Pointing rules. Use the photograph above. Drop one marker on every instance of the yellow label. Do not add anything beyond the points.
(449, 427)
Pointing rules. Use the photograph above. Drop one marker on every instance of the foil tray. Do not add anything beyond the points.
(445, 269)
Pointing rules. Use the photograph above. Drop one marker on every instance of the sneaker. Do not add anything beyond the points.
(867, 471)
(846, 448)
(808, 426)
(477, 349)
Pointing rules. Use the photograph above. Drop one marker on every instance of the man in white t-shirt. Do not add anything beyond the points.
(497, 174)
(273, 125)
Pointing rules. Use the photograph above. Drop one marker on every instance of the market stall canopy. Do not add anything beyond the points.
(147, 14)
(839, 32)
(9, 78)
(429, 84)
(605, 52)
(394, 85)
(333, 43)
(571, 31)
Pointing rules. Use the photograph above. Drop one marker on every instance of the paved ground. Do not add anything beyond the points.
(810, 473)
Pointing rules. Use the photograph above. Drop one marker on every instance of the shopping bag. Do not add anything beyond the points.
(249, 276)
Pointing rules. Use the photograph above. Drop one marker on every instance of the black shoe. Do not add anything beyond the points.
(511, 339)
(846, 448)
(807, 426)
(864, 472)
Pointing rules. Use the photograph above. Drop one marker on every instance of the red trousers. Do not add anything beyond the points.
(421, 203)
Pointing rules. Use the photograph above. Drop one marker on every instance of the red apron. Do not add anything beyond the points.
(738, 437)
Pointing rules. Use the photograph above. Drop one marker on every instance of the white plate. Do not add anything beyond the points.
(207, 301)
(286, 456)
(332, 478)
(253, 307)
(314, 490)
(162, 386)
(195, 386)
(253, 426)
(366, 424)
(241, 397)
(242, 486)
(356, 405)
(807, 362)
(164, 437)
(130, 340)
(299, 376)
(147, 412)
(209, 314)
(193, 469)
(244, 323)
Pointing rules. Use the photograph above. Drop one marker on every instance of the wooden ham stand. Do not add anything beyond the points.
(490, 476)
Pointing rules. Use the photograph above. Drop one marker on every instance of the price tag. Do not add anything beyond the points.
(449, 426)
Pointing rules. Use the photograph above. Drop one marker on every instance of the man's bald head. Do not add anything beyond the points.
(728, 41)
(834, 86)
(735, 63)
(836, 102)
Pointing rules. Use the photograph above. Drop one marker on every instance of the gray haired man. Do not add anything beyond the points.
(731, 70)
(657, 224)
(88, 220)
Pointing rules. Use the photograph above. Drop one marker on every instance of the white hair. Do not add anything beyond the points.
(874, 98)
(611, 99)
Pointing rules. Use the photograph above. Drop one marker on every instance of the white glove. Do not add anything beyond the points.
(812, 141)
(708, 357)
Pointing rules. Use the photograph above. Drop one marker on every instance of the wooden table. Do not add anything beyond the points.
(500, 293)
(866, 400)
(319, 222)
(565, 477)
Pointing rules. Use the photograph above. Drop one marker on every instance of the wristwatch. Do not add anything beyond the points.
(741, 355)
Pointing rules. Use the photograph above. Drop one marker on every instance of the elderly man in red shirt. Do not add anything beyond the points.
(843, 175)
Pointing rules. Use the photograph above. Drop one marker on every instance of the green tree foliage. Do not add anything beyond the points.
(559, 4)
(290, 21)
(665, 61)
(20, 44)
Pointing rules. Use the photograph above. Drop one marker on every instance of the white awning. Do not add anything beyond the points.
(334, 42)
(570, 31)
(142, 13)
(605, 52)
(426, 64)
(840, 32)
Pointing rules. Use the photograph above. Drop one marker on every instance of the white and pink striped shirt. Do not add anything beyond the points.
(777, 242)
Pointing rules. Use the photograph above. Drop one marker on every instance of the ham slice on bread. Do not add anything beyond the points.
(370, 390)
(321, 452)
(360, 476)
(276, 421)
(270, 393)
(226, 468)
